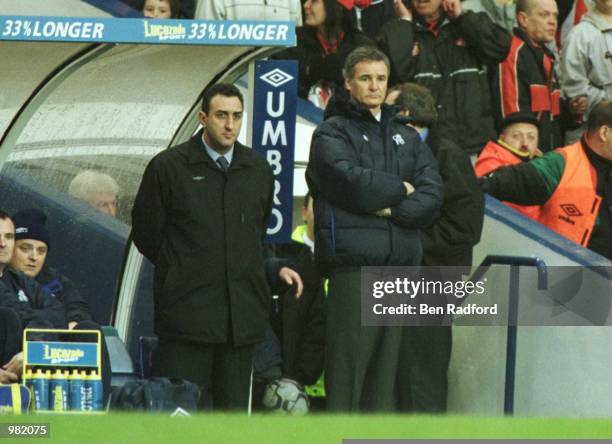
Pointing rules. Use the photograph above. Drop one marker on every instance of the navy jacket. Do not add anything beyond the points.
(53, 282)
(357, 166)
(34, 307)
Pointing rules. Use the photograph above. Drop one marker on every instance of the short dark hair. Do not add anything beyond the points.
(4, 215)
(220, 89)
(600, 115)
(363, 53)
(419, 102)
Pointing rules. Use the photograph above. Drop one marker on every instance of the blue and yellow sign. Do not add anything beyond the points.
(74, 354)
(132, 30)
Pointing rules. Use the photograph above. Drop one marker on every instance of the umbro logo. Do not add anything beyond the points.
(276, 77)
(398, 139)
(571, 210)
(199, 177)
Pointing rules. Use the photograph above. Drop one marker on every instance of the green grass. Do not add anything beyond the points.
(218, 428)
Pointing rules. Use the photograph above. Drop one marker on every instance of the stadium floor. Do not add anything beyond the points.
(152, 428)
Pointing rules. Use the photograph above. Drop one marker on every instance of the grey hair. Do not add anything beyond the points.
(89, 182)
(363, 53)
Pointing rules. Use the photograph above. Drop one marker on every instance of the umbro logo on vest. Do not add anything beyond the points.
(398, 139)
(570, 211)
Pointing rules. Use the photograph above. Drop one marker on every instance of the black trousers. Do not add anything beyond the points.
(222, 371)
(360, 362)
(10, 335)
(422, 376)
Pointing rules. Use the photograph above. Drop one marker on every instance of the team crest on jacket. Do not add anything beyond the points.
(416, 49)
(398, 139)
(460, 42)
(21, 296)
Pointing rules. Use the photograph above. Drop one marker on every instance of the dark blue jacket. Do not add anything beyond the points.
(357, 166)
(53, 282)
(26, 297)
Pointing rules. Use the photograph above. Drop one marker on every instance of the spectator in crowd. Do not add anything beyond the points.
(298, 326)
(450, 239)
(323, 43)
(372, 180)
(586, 64)
(371, 15)
(439, 45)
(502, 12)
(572, 185)
(425, 351)
(517, 143)
(526, 80)
(160, 9)
(249, 10)
(200, 216)
(164, 9)
(32, 243)
(97, 189)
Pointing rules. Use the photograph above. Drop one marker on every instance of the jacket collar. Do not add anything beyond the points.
(543, 48)
(194, 153)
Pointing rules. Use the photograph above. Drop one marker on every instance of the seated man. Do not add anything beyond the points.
(517, 143)
(30, 254)
(571, 185)
(33, 306)
(98, 189)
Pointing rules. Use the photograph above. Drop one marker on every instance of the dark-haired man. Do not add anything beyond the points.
(526, 81)
(573, 185)
(200, 216)
(375, 185)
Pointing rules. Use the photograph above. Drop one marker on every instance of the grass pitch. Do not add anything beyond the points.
(219, 428)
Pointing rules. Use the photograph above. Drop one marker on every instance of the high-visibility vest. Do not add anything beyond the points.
(572, 209)
(494, 156)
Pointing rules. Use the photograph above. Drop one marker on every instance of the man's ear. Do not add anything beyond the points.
(521, 18)
(604, 133)
(347, 85)
(202, 117)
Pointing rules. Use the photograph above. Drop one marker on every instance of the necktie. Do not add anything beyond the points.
(223, 163)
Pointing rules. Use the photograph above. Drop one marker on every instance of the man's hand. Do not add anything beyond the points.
(72, 324)
(578, 105)
(291, 277)
(452, 8)
(402, 10)
(15, 365)
(409, 188)
(7, 377)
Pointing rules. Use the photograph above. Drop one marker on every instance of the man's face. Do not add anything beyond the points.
(428, 9)
(522, 136)
(157, 9)
(368, 85)
(222, 123)
(105, 202)
(7, 242)
(540, 21)
(29, 256)
(308, 217)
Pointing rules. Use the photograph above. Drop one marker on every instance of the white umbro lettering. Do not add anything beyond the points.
(199, 177)
(397, 138)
